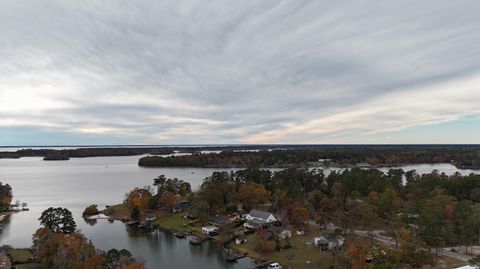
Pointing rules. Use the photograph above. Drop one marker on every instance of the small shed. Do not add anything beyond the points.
(241, 239)
(180, 206)
(322, 243)
(285, 234)
(210, 230)
(151, 218)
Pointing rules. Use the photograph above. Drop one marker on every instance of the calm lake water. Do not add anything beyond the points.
(78, 183)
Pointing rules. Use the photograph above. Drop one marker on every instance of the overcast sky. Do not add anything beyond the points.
(227, 71)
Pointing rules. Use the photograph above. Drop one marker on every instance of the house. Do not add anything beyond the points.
(326, 244)
(219, 220)
(322, 243)
(180, 206)
(258, 219)
(210, 230)
(241, 239)
(281, 232)
(285, 234)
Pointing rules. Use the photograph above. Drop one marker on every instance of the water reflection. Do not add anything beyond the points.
(90, 222)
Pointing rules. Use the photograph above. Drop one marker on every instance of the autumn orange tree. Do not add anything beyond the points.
(139, 197)
(59, 249)
(5, 196)
(252, 194)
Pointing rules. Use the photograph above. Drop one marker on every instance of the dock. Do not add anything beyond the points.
(196, 241)
(233, 257)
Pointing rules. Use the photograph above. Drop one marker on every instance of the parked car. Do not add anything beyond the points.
(274, 265)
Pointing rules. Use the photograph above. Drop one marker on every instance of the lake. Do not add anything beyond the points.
(80, 182)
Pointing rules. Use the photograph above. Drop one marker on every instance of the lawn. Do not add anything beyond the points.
(296, 257)
(118, 212)
(20, 255)
(173, 222)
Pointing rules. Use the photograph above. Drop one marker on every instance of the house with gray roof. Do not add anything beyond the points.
(258, 219)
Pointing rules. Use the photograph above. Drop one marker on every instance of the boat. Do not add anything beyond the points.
(25, 207)
(180, 235)
(196, 241)
(132, 222)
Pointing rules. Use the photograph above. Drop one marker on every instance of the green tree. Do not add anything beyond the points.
(135, 213)
(59, 220)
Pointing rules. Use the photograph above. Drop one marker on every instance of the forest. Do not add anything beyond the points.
(422, 213)
(388, 155)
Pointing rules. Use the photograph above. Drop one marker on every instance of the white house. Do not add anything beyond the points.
(256, 218)
(210, 230)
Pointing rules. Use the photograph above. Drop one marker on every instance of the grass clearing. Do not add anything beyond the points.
(120, 211)
(173, 222)
(296, 256)
(20, 255)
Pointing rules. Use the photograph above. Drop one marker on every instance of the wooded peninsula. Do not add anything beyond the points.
(462, 156)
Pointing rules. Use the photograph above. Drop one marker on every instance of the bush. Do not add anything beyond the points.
(90, 210)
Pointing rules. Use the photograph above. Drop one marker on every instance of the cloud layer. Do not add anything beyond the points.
(303, 71)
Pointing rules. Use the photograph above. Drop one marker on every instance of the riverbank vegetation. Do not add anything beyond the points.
(65, 154)
(5, 196)
(394, 219)
(58, 245)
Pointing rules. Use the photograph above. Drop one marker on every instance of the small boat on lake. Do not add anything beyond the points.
(132, 222)
(196, 241)
(180, 235)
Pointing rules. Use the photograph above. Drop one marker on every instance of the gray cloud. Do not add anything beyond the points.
(298, 71)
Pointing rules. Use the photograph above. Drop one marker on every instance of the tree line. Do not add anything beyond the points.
(461, 156)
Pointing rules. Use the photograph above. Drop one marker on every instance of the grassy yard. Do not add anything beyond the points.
(20, 255)
(174, 222)
(120, 211)
(296, 257)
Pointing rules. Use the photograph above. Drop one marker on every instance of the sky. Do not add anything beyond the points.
(229, 72)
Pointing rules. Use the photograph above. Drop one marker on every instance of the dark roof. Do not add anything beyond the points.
(259, 214)
(257, 221)
(321, 240)
(241, 237)
(275, 229)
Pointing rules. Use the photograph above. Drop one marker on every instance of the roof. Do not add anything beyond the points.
(257, 221)
(210, 227)
(275, 229)
(259, 214)
(241, 237)
(467, 267)
(321, 240)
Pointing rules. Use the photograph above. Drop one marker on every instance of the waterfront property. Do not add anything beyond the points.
(258, 219)
(210, 230)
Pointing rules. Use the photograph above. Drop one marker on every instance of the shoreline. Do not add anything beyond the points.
(5, 214)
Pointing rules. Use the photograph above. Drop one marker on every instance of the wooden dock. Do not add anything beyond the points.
(233, 257)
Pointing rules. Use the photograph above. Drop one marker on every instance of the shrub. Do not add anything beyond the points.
(90, 210)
